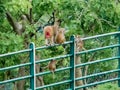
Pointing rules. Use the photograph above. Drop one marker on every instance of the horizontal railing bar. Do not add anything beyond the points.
(61, 69)
(68, 42)
(102, 35)
(96, 83)
(97, 74)
(45, 47)
(97, 49)
(97, 61)
(12, 53)
(54, 84)
(53, 58)
(57, 70)
(16, 66)
(15, 79)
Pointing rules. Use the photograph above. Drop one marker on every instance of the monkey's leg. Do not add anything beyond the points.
(52, 40)
(53, 74)
(46, 41)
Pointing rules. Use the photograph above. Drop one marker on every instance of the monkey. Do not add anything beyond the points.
(52, 66)
(60, 37)
(56, 26)
(50, 33)
(79, 43)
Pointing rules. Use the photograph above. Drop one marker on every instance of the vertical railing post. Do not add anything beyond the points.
(72, 62)
(119, 58)
(32, 66)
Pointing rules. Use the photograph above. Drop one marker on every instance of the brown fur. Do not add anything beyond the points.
(79, 43)
(52, 30)
(52, 67)
(60, 37)
(50, 37)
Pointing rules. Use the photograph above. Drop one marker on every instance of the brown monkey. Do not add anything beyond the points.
(56, 27)
(79, 43)
(50, 33)
(51, 66)
(60, 37)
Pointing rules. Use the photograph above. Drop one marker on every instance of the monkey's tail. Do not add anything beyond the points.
(45, 67)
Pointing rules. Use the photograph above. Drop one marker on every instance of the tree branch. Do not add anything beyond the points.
(29, 16)
(31, 21)
(11, 21)
(16, 26)
(109, 23)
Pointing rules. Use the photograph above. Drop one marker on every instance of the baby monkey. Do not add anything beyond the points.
(52, 66)
(60, 36)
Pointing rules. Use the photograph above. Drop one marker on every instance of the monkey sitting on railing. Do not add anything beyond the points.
(79, 43)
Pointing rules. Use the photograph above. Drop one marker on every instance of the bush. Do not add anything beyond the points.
(107, 86)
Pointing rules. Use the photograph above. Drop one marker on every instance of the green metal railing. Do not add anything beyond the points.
(32, 76)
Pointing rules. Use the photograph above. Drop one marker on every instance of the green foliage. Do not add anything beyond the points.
(10, 42)
(18, 6)
(107, 86)
(79, 17)
(2, 8)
